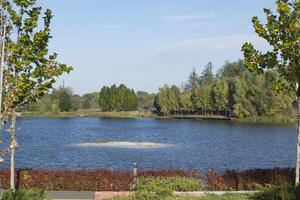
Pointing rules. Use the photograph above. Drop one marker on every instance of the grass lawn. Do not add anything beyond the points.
(216, 197)
(209, 197)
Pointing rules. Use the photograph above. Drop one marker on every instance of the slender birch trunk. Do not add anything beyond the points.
(13, 145)
(3, 35)
(298, 144)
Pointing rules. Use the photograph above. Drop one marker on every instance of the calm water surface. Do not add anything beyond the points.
(51, 143)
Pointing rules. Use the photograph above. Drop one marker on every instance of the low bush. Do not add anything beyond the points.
(284, 192)
(249, 179)
(180, 184)
(170, 173)
(24, 194)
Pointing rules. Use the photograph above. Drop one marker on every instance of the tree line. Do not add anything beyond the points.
(232, 88)
(109, 98)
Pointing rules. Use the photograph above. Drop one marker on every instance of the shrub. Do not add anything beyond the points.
(69, 180)
(249, 179)
(24, 194)
(226, 197)
(160, 194)
(284, 192)
(170, 173)
(180, 184)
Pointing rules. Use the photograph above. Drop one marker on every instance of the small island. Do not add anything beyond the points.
(124, 144)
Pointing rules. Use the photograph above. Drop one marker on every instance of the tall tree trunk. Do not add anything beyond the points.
(298, 145)
(13, 144)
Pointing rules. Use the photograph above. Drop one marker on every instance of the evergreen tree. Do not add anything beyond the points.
(193, 80)
(207, 75)
(117, 98)
(65, 104)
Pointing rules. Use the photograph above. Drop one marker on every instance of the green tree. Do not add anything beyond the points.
(117, 98)
(185, 101)
(193, 80)
(156, 104)
(31, 69)
(145, 100)
(282, 32)
(65, 104)
(232, 69)
(207, 75)
(131, 101)
(105, 99)
(203, 98)
(86, 104)
(219, 94)
(162, 103)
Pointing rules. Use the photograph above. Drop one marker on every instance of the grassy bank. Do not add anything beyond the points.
(140, 114)
(123, 114)
(269, 120)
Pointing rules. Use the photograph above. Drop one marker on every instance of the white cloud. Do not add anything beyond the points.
(174, 19)
(211, 45)
(199, 51)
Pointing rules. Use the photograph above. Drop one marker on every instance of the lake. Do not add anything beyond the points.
(56, 143)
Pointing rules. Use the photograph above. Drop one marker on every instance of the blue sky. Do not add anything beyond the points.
(148, 43)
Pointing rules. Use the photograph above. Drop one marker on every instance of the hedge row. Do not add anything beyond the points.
(108, 180)
(249, 179)
(81, 180)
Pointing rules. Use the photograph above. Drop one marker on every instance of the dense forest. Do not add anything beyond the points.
(232, 88)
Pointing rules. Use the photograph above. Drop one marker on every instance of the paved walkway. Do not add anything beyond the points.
(106, 195)
(70, 195)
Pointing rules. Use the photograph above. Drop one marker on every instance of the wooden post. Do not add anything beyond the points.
(134, 173)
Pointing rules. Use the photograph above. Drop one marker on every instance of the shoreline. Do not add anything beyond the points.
(149, 115)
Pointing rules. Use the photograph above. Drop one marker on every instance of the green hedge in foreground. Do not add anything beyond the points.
(180, 184)
(24, 194)
(149, 196)
(284, 192)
